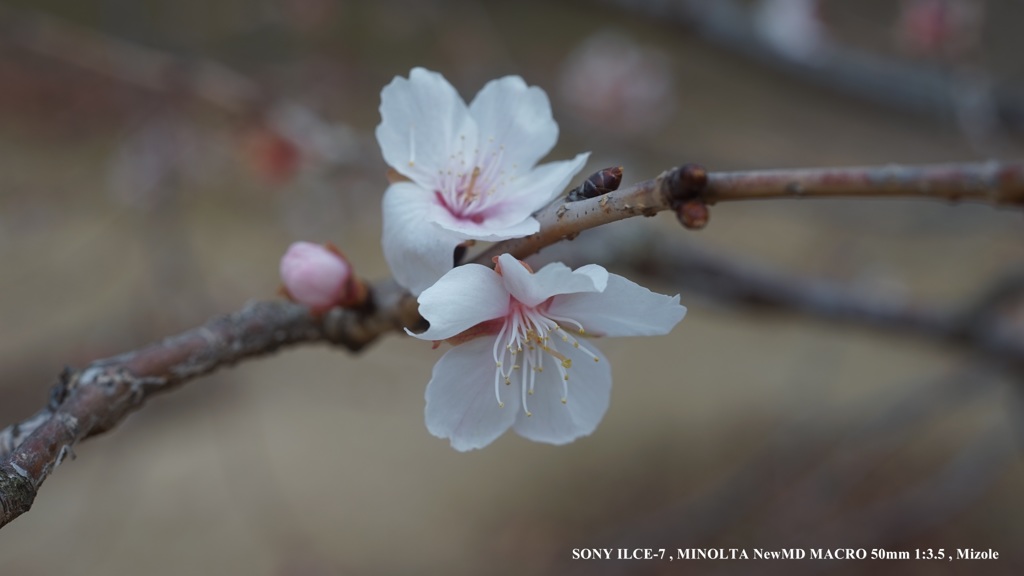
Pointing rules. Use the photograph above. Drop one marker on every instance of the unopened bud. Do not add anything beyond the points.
(320, 277)
(693, 214)
(600, 182)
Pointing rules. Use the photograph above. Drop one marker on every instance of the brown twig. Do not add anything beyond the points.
(997, 183)
(95, 399)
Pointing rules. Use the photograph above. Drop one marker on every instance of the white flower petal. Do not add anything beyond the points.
(530, 192)
(552, 177)
(423, 123)
(589, 385)
(461, 299)
(417, 249)
(596, 273)
(460, 397)
(555, 278)
(623, 309)
(517, 118)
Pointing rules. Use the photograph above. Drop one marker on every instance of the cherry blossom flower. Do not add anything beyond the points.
(466, 172)
(320, 277)
(522, 356)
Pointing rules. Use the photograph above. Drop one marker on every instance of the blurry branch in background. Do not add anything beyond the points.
(139, 66)
(93, 400)
(791, 36)
(980, 324)
(281, 132)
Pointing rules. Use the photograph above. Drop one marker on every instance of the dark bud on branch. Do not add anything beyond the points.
(693, 214)
(600, 182)
(685, 187)
(686, 182)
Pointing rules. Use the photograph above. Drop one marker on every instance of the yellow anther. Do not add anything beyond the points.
(471, 190)
(557, 354)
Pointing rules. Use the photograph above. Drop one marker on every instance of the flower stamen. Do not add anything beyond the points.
(527, 331)
(565, 320)
(470, 194)
(497, 388)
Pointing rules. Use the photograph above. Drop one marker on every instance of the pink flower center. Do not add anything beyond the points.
(472, 193)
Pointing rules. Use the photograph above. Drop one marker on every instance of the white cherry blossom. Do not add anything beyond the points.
(467, 172)
(522, 355)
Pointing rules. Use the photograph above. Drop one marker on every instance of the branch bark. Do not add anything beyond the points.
(996, 183)
(98, 397)
(90, 401)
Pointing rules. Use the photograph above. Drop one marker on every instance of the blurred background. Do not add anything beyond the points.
(157, 157)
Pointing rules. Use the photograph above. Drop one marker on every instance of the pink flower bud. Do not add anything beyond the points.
(319, 277)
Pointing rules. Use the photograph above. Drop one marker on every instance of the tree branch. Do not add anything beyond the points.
(993, 182)
(90, 401)
(997, 183)
(95, 399)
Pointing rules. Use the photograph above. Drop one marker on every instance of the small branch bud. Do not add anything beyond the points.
(599, 183)
(686, 182)
(693, 214)
(685, 187)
